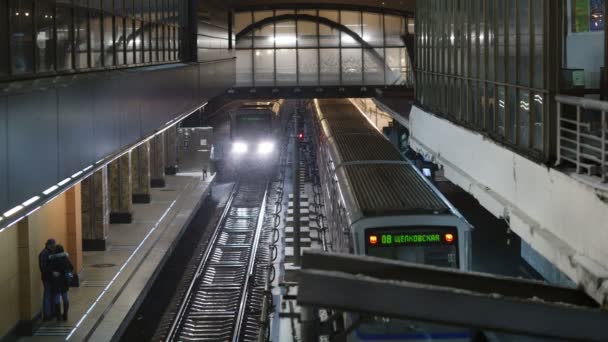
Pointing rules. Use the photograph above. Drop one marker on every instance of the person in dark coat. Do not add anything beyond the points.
(45, 274)
(61, 271)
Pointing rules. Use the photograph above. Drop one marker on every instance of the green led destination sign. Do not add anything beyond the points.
(395, 239)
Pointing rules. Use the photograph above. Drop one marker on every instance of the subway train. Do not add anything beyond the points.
(377, 203)
(253, 128)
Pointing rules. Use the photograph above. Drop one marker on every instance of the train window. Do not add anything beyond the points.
(3, 39)
(427, 245)
(64, 48)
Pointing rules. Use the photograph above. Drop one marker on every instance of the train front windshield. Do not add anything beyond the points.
(253, 124)
(436, 246)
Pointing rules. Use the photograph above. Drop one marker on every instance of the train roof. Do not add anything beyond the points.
(392, 189)
(365, 147)
(380, 180)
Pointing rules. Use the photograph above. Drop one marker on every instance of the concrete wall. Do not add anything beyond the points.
(563, 219)
(21, 294)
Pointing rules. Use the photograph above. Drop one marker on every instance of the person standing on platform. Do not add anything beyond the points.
(61, 270)
(43, 264)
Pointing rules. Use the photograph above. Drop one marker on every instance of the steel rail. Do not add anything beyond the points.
(171, 336)
(216, 304)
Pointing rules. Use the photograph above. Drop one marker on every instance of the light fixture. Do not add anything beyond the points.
(13, 211)
(50, 190)
(31, 200)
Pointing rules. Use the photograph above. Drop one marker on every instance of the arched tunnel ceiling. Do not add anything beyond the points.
(395, 5)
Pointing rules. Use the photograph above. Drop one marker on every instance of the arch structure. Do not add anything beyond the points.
(277, 58)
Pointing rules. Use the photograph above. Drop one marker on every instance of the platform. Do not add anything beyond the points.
(115, 281)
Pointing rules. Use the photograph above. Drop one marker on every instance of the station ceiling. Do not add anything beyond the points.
(395, 5)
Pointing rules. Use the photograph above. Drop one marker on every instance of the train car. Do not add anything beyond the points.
(253, 128)
(377, 203)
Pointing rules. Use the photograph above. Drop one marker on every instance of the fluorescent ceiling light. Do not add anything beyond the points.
(51, 189)
(13, 211)
(31, 200)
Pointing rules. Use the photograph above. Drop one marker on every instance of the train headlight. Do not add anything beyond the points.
(265, 147)
(239, 147)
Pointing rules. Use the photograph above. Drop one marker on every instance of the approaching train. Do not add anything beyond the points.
(253, 126)
(377, 203)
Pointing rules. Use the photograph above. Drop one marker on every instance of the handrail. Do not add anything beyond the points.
(583, 142)
(583, 102)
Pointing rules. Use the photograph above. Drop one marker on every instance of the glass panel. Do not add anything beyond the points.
(373, 29)
(473, 38)
(146, 43)
(65, 37)
(138, 42)
(394, 27)
(398, 64)
(524, 42)
(501, 58)
(22, 48)
(285, 36)
(308, 60)
(82, 40)
(537, 120)
(264, 67)
(512, 107)
(307, 31)
(264, 37)
(129, 40)
(501, 111)
(328, 36)
(512, 53)
(538, 15)
(96, 38)
(244, 68)
(153, 43)
(491, 101)
(351, 66)
(524, 117)
(108, 40)
(330, 66)
(45, 37)
(286, 67)
(3, 39)
(491, 42)
(373, 66)
(352, 21)
(119, 42)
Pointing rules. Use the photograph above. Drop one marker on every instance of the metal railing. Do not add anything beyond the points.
(582, 134)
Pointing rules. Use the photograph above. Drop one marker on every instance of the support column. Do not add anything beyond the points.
(30, 299)
(121, 207)
(73, 212)
(171, 150)
(157, 161)
(95, 211)
(140, 173)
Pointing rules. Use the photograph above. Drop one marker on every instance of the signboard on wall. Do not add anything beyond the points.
(587, 15)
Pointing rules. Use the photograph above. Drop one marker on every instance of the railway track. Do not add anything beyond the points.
(224, 298)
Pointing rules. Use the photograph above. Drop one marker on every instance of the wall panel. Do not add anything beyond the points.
(75, 129)
(3, 154)
(32, 144)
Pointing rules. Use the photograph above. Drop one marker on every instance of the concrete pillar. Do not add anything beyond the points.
(140, 173)
(157, 161)
(171, 150)
(119, 174)
(95, 211)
